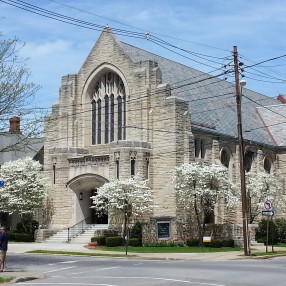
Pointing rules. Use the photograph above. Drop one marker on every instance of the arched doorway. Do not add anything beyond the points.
(84, 187)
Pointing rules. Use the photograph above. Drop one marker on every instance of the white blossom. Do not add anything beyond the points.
(261, 187)
(201, 186)
(23, 189)
(117, 194)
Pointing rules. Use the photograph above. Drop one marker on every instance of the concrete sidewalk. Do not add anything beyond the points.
(205, 256)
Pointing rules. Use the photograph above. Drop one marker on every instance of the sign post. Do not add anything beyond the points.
(269, 212)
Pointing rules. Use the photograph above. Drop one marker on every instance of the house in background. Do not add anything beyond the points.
(128, 111)
(15, 145)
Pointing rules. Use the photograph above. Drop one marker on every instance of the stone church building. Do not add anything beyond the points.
(128, 111)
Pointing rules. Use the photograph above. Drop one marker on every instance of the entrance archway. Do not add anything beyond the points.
(83, 188)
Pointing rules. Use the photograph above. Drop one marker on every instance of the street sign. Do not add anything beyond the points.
(268, 213)
(268, 205)
(2, 183)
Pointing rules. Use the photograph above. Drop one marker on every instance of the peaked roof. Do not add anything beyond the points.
(212, 102)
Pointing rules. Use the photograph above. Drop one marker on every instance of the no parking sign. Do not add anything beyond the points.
(268, 205)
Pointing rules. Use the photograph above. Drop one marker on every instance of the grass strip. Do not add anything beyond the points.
(275, 253)
(75, 253)
(166, 249)
(5, 279)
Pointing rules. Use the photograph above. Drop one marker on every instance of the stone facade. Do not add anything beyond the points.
(120, 116)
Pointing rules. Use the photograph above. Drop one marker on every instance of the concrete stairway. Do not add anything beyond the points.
(84, 238)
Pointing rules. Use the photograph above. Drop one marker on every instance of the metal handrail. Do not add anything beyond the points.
(78, 228)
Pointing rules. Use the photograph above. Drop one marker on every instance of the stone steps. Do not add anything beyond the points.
(62, 236)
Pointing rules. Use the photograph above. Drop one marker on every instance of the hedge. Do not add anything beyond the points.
(135, 242)
(114, 241)
(101, 240)
(192, 242)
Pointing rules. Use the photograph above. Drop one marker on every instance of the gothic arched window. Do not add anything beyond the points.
(106, 118)
(111, 118)
(119, 100)
(93, 104)
(108, 88)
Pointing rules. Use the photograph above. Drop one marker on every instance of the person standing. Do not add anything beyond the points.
(3, 247)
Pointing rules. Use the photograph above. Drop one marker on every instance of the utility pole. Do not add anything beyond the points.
(241, 154)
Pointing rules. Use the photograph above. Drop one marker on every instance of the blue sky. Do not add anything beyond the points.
(208, 27)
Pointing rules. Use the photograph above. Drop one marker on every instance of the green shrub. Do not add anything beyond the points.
(192, 242)
(101, 240)
(281, 229)
(114, 241)
(135, 242)
(227, 242)
(261, 240)
(27, 226)
(136, 230)
(11, 235)
(23, 237)
(163, 243)
(261, 231)
(215, 243)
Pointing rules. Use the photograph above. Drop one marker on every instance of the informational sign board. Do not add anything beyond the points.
(2, 183)
(207, 239)
(163, 229)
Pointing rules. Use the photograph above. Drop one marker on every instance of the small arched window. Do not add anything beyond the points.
(225, 157)
(267, 165)
(132, 162)
(248, 158)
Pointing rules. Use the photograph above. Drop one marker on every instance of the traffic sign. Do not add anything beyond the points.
(268, 213)
(268, 205)
(2, 183)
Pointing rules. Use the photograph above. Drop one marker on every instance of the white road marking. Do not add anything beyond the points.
(79, 283)
(60, 269)
(93, 270)
(69, 261)
(153, 278)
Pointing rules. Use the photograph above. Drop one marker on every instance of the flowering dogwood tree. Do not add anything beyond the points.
(200, 187)
(23, 191)
(261, 187)
(115, 196)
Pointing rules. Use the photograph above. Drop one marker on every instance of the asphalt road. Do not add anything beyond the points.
(64, 270)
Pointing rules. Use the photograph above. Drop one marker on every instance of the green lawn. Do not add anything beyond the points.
(75, 253)
(6, 279)
(166, 249)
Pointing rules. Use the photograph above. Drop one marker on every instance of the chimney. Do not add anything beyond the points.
(14, 124)
(281, 98)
